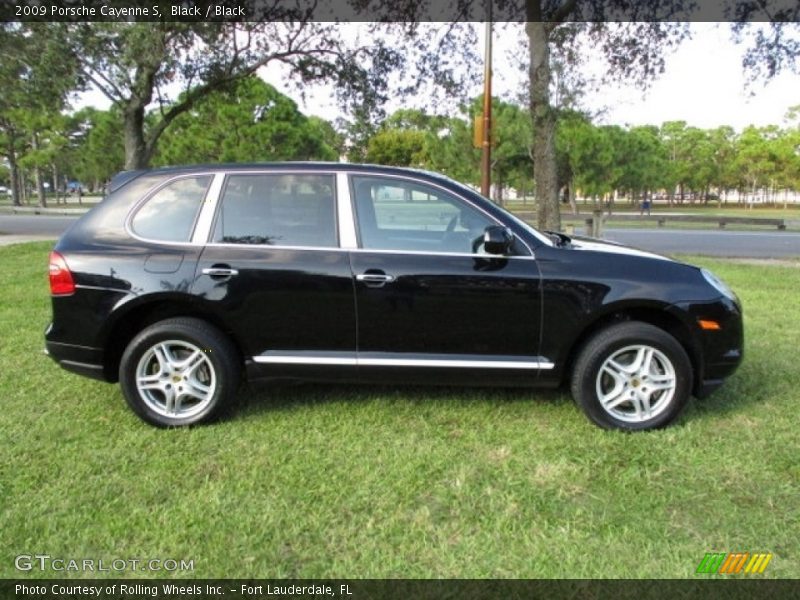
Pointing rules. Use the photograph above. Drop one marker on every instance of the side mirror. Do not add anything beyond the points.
(497, 239)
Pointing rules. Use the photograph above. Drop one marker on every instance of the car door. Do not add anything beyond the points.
(429, 298)
(274, 273)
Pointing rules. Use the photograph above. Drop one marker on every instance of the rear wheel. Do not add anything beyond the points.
(632, 376)
(180, 371)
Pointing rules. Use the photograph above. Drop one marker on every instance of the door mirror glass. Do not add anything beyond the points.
(497, 240)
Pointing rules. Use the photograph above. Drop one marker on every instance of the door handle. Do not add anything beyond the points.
(220, 271)
(375, 278)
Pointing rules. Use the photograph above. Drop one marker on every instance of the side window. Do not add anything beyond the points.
(278, 210)
(394, 214)
(170, 214)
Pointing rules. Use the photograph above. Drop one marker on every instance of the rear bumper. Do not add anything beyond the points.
(77, 359)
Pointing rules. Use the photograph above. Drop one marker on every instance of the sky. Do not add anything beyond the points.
(703, 84)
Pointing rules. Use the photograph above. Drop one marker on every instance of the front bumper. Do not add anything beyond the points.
(717, 353)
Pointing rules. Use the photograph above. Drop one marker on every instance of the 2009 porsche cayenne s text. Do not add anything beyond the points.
(183, 282)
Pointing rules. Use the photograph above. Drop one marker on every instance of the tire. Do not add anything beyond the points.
(632, 376)
(180, 371)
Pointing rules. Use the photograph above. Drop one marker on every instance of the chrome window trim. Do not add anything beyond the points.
(365, 251)
(128, 226)
(202, 231)
(288, 359)
(348, 239)
(361, 173)
(277, 172)
(345, 214)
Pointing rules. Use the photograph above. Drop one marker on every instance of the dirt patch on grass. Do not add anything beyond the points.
(767, 262)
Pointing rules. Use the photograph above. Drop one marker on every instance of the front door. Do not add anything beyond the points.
(429, 298)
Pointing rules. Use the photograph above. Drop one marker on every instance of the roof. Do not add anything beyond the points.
(124, 177)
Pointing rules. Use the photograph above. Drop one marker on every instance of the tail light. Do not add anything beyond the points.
(61, 283)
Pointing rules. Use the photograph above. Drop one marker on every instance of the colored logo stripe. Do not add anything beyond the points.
(733, 562)
(758, 563)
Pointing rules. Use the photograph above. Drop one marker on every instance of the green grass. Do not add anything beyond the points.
(334, 481)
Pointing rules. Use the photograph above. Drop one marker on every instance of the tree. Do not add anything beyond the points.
(250, 122)
(632, 50)
(35, 79)
(95, 152)
(134, 65)
(399, 147)
(512, 144)
(642, 161)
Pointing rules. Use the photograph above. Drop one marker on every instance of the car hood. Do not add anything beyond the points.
(595, 245)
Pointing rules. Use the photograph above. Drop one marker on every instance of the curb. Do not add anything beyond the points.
(37, 210)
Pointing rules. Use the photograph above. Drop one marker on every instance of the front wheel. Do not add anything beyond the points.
(632, 376)
(179, 371)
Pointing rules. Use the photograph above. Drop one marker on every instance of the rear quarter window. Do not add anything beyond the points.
(169, 215)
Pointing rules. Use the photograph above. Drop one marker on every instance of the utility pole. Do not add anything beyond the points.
(486, 143)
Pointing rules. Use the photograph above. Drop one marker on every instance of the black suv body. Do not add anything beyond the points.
(183, 281)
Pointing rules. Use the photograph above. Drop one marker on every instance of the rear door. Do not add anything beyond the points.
(274, 272)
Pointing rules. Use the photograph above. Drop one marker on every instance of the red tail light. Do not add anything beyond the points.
(61, 283)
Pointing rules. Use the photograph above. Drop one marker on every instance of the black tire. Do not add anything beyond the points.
(185, 359)
(612, 364)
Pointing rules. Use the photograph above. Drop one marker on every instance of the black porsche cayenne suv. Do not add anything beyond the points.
(183, 282)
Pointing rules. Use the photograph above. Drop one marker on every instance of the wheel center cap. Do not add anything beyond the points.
(176, 378)
(635, 382)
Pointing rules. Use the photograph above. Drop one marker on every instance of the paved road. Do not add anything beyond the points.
(745, 244)
(35, 225)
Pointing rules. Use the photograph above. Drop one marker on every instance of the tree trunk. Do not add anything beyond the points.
(38, 177)
(571, 195)
(14, 173)
(137, 152)
(54, 182)
(544, 124)
(23, 185)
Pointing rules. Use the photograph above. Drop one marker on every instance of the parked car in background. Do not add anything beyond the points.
(184, 281)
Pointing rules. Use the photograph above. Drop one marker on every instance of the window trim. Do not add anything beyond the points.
(423, 182)
(149, 195)
(345, 212)
(217, 209)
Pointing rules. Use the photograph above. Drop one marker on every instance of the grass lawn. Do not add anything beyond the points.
(333, 481)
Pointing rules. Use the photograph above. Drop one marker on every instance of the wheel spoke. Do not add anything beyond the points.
(196, 389)
(647, 361)
(173, 362)
(644, 400)
(149, 385)
(161, 352)
(626, 369)
(636, 402)
(614, 401)
(194, 360)
(667, 384)
(169, 400)
(616, 371)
